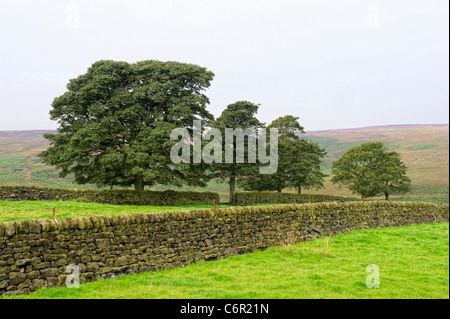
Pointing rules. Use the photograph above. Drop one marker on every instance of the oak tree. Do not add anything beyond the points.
(115, 122)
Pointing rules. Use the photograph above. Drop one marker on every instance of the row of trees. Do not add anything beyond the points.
(115, 123)
(298, 159)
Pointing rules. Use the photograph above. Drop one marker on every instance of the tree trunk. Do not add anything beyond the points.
(232, 189)
(279, 190)
(386, 196)
(139, 184)
(299, 189)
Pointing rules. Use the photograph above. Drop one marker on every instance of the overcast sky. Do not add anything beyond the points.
(335, 64)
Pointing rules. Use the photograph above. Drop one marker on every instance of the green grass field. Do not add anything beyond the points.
(11, 210)
(413, 263)
(422, 147)
(15, 210)
(433, 193)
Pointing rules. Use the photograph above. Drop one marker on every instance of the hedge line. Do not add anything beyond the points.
(117, 197)
(244, 198)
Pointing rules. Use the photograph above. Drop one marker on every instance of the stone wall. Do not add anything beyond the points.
(115, 196)
(35, 253)
(245, 198)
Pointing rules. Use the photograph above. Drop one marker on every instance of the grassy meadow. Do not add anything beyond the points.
(413, 263)
(433, 193)
(12, 210)
(18, 210)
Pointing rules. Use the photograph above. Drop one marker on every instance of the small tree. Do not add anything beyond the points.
(239, 115)
(370, 170)
(305, 171)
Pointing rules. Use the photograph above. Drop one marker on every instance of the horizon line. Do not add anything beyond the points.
(320, 130)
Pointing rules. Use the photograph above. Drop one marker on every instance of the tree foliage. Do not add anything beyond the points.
(370, 170)
(298, 161)
(115, 122)
(304, 171)
(238, 115)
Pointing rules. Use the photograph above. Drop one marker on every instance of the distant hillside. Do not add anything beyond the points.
(19, 164)
(424, 149)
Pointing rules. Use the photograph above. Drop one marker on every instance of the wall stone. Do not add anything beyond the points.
(115, 196)
(35, 253)
(245, 198)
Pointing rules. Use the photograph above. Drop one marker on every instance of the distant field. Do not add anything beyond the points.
(12, 210)
(413, 262)
(434, 193)
(20, 166)
(421, 147)
(15, 210)
(424, 149)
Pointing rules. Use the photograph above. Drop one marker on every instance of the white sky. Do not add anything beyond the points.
(335, 64)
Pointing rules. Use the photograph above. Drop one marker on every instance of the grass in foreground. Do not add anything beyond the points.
(15, 210)
(413, 263)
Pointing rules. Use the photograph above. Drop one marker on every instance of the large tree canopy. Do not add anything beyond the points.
(371, 170)
(115, 122)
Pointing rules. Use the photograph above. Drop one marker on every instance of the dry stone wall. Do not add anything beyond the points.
(35, 253)
(245, 198)
(116, 196)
